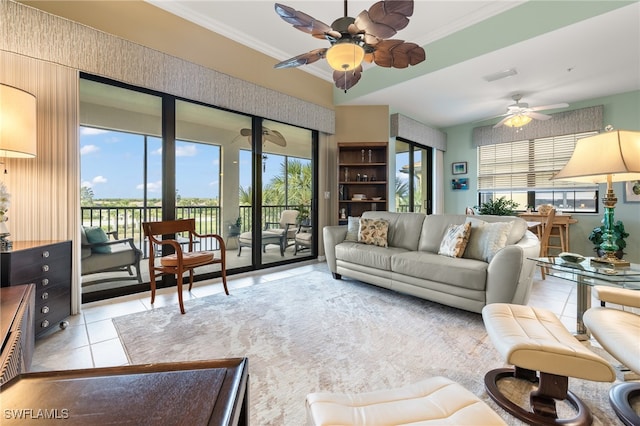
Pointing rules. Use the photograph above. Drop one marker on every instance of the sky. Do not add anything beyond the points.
(112, 165)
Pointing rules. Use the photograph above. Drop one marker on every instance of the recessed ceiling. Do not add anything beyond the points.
(562, 51)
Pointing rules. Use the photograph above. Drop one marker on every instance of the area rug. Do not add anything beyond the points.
(312, 333)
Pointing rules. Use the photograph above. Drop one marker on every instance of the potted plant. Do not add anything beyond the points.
(234, 229)
(619, 234)
(498, 207)
(303, 216)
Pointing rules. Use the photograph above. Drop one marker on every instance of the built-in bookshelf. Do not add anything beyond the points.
(362, 178)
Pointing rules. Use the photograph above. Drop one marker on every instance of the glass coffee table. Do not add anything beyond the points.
(587, 274)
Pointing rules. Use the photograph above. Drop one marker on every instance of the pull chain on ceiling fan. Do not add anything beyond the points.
(353, 40)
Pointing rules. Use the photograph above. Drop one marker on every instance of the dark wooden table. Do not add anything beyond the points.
(186, 393)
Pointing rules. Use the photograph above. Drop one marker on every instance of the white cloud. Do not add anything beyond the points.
(87, 184)
(157, 152)
(186, 151)
(99, 179)
(155, 187)
(88, 149)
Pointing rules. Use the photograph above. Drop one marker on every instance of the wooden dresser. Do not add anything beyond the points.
(16, 330)
(47, 264)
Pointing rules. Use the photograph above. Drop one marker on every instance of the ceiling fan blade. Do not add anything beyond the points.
(275, 137)
(398, 54)
(302, 21)
(245, 132)
(303, 59)
(345, 80)
(373, 31)
(538, 116)
(545, 107)
(392, 13)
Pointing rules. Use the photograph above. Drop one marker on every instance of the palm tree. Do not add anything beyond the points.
(292, 186)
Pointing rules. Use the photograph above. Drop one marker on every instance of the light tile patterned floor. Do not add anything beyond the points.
(91, 339)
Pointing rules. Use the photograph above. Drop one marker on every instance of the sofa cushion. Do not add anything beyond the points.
(486, 239)
(434, 228)
(353, 228)
(373, 232)
(455, 240)
(459, 272)
(367, 255)
(95, 234)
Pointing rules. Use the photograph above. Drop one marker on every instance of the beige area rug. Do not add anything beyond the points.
(312, 333)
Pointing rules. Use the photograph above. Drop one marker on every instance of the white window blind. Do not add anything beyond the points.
(526, 165)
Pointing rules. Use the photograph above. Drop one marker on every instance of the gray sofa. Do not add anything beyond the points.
(411, 263)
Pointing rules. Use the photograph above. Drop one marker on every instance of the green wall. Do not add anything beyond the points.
(621, 111)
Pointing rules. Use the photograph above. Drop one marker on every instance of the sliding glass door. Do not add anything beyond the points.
(149, 156)
(413, 190)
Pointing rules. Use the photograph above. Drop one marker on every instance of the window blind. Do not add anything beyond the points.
(527, 164)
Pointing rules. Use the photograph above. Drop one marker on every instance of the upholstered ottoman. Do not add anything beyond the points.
(534, 340)
(437, 400)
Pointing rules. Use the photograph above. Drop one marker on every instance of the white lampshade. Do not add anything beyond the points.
(345, 56)
(518, 121)
(18, 132)
(614, 155)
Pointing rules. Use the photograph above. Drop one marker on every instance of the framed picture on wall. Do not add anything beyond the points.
(632, 191)
(461, 183)
(459, 168)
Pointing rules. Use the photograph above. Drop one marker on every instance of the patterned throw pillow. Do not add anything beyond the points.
(374, 232)
(455, 240)
(95, 234)
(486, 239)
(353, 227)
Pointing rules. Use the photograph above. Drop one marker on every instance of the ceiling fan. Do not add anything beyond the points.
(268, 135)
(520, 114)
(353, 40)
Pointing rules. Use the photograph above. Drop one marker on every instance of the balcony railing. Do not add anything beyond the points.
(127, 221)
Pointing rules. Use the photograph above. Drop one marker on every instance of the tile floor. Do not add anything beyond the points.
(91, 339)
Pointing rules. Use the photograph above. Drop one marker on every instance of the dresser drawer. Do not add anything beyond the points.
(51, 311)
(33, 265)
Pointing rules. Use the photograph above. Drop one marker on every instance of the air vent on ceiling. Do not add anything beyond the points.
(500, 75)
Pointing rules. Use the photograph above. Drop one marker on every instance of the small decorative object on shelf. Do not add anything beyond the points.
(369, 155)
(363, 155)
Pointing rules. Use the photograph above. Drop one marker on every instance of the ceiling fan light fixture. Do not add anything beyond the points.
(518, 120)
(345, 56)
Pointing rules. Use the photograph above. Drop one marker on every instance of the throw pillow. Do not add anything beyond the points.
(95, 234)
(373, 232)
(455, 240)
(353, 228)
(486, 239)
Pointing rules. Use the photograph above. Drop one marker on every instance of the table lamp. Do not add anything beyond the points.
(612, 156)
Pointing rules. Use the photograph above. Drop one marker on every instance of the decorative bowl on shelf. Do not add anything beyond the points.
(358, 197)
(376, 198)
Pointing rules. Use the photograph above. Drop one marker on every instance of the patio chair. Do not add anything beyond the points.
(184, 258)
(279, 233)
(100, 254)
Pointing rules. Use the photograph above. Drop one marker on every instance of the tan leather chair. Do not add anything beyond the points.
(617, 329)
(182, 259)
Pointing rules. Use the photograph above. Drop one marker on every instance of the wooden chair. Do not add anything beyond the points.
(547, 227)
(182, 260)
